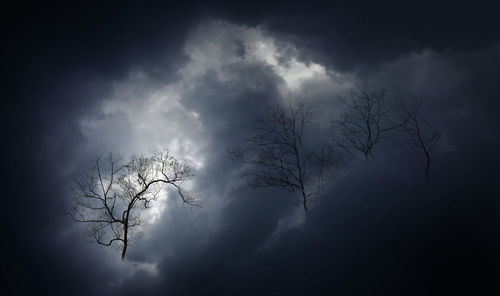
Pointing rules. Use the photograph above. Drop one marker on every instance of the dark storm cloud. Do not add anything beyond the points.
(380, 224)
(226, 109)
(59, 61)
(378, 229)
(353, 34)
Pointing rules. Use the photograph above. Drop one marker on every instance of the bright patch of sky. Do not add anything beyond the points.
(293, 71)
(218, 44)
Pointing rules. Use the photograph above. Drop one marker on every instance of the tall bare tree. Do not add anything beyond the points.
(366, 119)
(424, 137)
(279, 156)
(112, 195)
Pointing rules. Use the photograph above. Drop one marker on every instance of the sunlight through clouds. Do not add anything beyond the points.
(149, 115)
(143, 115)
(261, 101)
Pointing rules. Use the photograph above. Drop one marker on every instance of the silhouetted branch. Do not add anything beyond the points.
(277, 155)
(111, 196)
(366, 119)
(424, 137)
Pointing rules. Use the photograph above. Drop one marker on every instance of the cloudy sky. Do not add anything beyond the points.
(80, 80)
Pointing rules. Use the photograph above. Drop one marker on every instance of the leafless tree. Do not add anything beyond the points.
(423, 135)
(278, 154)
(366, 119)
(112, 195)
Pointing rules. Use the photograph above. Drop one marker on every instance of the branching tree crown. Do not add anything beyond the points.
(112, 195)
(278, 155)
(366, 119)
(424, 137)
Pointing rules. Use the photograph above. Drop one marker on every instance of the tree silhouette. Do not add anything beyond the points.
(366, 119)
(424, 136)
(112, 195)
(278, 155)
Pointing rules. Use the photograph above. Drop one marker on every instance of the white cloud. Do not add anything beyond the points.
(142, 115)
(217, 44)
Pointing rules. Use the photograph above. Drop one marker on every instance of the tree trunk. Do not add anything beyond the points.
(427, 165)
(304, 200)
(125, 237)
(124, 249)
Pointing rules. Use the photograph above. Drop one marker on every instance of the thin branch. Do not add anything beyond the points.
(111, 187)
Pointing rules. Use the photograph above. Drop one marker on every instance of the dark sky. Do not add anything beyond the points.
(82, 79)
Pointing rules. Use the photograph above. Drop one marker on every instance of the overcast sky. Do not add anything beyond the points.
(80, 80)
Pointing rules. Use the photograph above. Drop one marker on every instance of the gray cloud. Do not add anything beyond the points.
(379, 228)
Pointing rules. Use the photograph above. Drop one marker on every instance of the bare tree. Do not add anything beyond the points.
(366, 119)
(112, 195)
(423, 135)
(278, 155)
